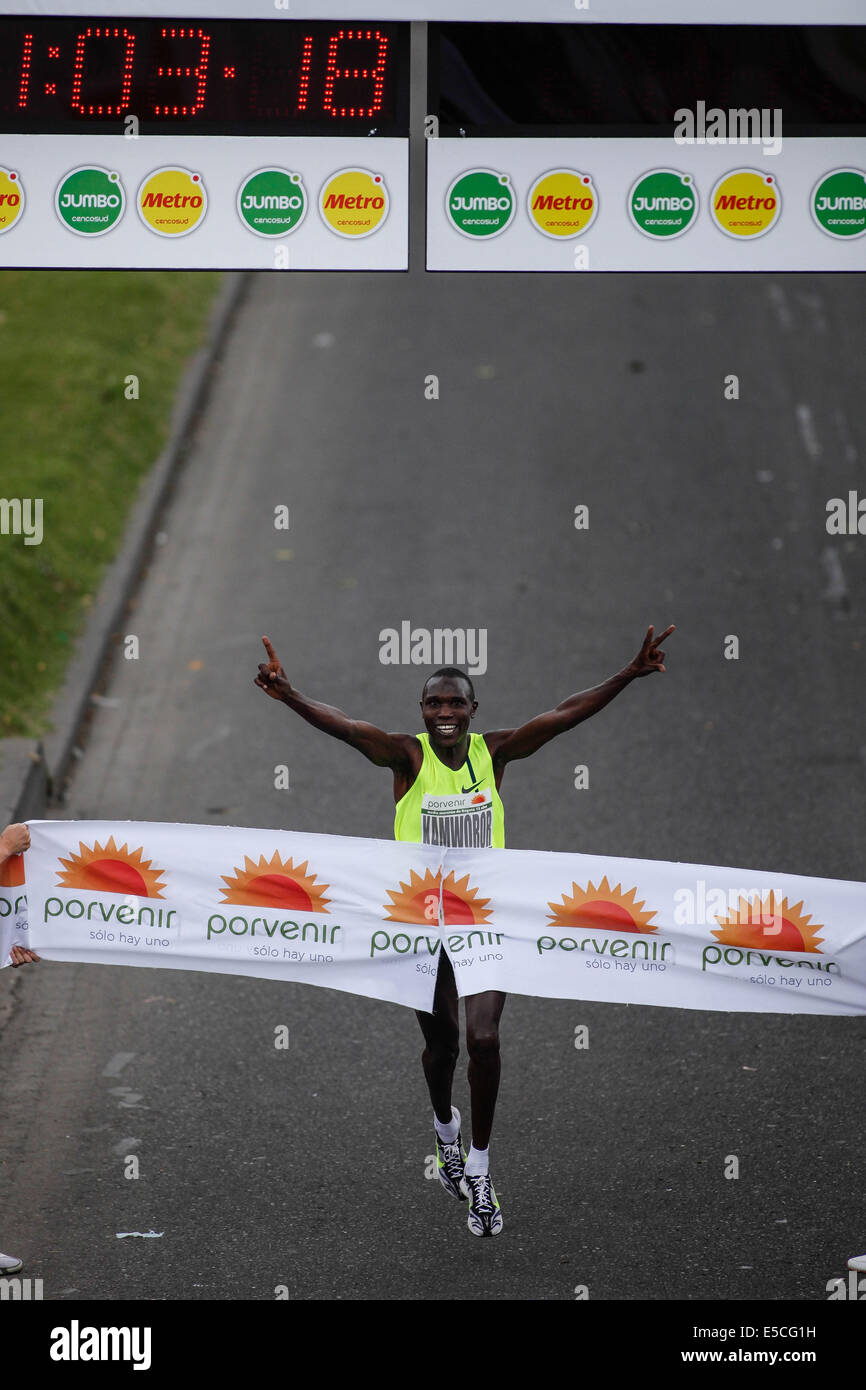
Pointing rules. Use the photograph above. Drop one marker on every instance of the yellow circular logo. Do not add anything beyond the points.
(172, 202)
(11, 198)
(354, 202)
(562, 203)
(746, 203)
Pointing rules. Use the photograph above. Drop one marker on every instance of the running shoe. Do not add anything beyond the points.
(485, 1218)
(10, 1265)
(450, 1159)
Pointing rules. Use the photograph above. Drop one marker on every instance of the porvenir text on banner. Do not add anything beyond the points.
(370, 916)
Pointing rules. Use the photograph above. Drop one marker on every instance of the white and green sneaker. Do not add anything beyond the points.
(485, 1217)
(450, 1161)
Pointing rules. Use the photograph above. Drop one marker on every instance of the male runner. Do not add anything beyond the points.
(461, 772)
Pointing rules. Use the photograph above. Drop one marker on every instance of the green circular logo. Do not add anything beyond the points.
(272, 202)
(90, 200)
(663, 203)
(839, 203)
(480, 203)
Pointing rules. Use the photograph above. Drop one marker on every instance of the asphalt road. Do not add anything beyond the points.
(305, 1168)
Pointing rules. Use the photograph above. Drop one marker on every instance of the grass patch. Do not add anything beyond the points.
(68, 340)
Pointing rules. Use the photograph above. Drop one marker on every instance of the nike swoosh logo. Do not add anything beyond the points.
(473, 788)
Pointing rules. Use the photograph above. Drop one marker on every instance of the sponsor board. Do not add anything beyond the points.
(223, 202)
(806, 212)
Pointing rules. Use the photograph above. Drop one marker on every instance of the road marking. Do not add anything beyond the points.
(845, 435)
(130, 1098)
(117, 1063)
(815, 304)
(147, 1235)
(836, 591)
(126, 1146)
(807, 431)
(778, 299)
(217, 736)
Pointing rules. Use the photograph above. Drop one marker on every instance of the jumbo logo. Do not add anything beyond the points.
(11, 198)
(172, 201)
(272, 202)
(89, 200)
(354, 202)
(562, 203)
(746, 203)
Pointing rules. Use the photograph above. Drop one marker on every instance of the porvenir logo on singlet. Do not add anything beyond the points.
(464, 821)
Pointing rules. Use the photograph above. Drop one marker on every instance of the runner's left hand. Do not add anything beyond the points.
(650, 657)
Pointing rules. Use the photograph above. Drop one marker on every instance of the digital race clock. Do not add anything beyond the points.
(216, 77)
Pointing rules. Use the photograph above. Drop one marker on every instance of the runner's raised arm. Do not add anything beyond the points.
(506, 745)
(396, 751)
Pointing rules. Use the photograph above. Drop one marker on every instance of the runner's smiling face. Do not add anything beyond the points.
(447, 708)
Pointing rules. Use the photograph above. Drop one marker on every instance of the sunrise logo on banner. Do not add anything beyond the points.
(585, 916)
(443, 905)
(774, 940)
(277, 885)
(95, 877)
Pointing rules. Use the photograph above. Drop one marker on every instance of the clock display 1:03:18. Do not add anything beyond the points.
(220, 77)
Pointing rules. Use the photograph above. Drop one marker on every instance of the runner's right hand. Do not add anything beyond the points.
(272, 679)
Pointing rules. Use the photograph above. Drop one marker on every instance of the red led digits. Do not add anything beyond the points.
(78, 71)
(83, 73)
(199, 72)
(304, 83)
(26, 59)
(376, 74)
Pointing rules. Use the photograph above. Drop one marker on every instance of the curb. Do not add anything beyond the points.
(31, 772)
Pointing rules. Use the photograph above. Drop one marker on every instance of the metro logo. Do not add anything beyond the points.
(11, 199)
(354, 202)
(172, 201)
(562, 203)
(339, 200)
(746, 203)
(549, 203)
(729, 201)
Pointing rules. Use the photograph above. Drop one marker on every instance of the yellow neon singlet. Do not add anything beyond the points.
(458, 807)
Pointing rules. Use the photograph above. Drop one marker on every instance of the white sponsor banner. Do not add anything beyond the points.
(368, 916)
(503, 11)
(195, 202)
(600, 204)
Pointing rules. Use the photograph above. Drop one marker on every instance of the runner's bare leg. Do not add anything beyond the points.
(441, 1031)
(483, 1012)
